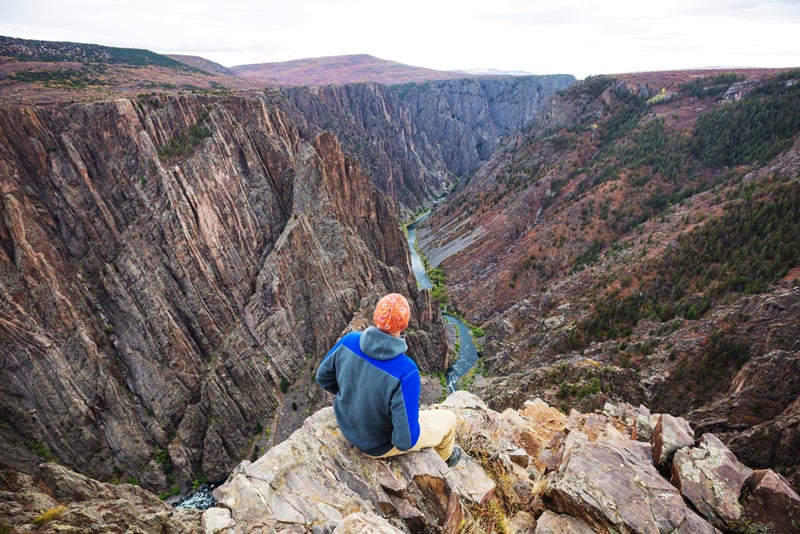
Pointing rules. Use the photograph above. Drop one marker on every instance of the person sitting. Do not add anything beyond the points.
(377, 390)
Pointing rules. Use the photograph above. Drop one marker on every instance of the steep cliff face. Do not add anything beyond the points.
(371, 123)
(416, 138)
(467, 119)
(172, 270)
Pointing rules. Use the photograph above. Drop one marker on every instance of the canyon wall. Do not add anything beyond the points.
(172, 270)
(467, 120)
(415, 139)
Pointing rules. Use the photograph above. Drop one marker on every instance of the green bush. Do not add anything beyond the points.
(184, 145)
(163, 458)
(199, 480)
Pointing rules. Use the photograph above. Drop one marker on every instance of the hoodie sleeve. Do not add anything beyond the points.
(405, 411)
(326, 373)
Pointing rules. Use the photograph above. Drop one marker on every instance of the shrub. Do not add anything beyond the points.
(163, 458)
(199, 480)
(185, 144)
(49, 515)
(591, 388)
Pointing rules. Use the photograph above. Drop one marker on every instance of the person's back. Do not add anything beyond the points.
(377, 390)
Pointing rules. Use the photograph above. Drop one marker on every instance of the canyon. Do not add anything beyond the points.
(608, 255)
(176, 265)
(175, 262)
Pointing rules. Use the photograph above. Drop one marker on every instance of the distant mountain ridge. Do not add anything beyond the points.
(34, 71)
(202, 63)
(56, 51)
(335, 70)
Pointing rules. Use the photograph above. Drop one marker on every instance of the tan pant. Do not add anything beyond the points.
(437, 429)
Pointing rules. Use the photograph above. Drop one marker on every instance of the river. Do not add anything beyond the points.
(467, 353)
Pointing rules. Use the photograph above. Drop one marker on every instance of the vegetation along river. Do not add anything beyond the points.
(467, 353)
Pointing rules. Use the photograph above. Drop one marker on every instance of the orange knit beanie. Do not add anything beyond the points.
(392, 313)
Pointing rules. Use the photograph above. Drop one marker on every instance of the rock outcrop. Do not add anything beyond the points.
(533, 470)
(527, 470)
(171, 271)
(56, 499)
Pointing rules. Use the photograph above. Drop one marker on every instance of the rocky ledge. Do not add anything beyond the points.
(529, 470)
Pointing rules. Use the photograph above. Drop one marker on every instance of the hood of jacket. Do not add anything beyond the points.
(377, 344)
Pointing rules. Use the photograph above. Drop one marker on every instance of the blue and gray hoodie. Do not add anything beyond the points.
(377, 390)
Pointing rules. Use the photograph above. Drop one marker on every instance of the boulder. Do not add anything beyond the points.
(711, 478)
(770, 503)
(365, 523)
(614, 486)
(553, 523)
(669, 435)
(641, 421)
(217, 519)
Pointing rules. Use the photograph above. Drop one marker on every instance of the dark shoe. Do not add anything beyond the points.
(455, 456)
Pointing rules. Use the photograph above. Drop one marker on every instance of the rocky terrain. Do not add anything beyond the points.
(529, 470)
(175, 264)
(618, 248)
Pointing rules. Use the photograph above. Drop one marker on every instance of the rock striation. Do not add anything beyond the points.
(172, 269)
(371, 123)
(467, 119)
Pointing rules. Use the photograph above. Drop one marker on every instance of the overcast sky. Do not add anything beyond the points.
(580, 37)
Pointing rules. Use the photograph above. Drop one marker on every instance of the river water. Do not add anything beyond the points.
(467, 353)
